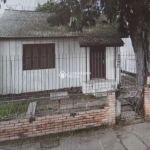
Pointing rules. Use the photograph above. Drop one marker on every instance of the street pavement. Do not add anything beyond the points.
(131, 137)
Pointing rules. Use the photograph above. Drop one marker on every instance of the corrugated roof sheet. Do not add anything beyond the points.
(26, 24)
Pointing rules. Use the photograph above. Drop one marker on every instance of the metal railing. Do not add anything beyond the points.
(22, 76)
(17, 109)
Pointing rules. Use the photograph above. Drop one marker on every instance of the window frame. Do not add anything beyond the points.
(48, 65)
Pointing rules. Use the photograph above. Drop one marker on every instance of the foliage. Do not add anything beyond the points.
(78, 14)
(102, 30)
(134, 19)
(75, 13)
(9, 109)
(50, 6)
(130, 12)
(61, 12)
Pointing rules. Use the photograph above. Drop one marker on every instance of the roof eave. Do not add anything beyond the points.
(106, 45)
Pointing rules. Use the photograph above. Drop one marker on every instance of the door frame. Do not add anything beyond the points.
(104, 65)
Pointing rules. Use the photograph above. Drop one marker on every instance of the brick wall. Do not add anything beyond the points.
(147, 103)
(16, 129)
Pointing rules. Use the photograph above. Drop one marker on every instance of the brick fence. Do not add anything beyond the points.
(16, 129)
(147, 103)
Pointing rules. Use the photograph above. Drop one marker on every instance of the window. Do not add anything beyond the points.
(38, 56)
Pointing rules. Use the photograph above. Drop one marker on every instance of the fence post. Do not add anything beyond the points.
(147, 103)
(11, 78)
(119, 63)
(111, 98)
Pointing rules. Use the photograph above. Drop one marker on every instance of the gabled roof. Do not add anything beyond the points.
(31, 24)
(21, 24)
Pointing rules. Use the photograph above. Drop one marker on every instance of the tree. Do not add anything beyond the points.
(73, 13)
(134, 19)
(60, 12)
(49, 6)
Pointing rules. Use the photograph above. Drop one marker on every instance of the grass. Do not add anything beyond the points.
(9, 109)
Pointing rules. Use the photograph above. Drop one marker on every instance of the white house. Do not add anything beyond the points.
(2, 7)
(36, 57)
(29, 5)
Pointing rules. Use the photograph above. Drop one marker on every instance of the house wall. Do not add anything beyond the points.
(2, 7)
(70, 57)
(128, 61)
(112, 66)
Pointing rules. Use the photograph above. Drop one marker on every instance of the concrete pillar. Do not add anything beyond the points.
(111, 99)
(118, 108)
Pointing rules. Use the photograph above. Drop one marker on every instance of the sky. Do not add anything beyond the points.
(21, 4)
(31, 3)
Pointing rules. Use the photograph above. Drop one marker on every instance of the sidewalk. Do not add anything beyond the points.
(131, 137)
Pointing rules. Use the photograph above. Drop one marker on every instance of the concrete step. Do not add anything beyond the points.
(103, 94)
(58, 95)
(103, 90)
(98, 86)
(128, 115)
(31, 109)
(104, 86)
(126, 108)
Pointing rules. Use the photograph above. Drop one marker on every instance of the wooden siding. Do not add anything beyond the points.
(13, 79)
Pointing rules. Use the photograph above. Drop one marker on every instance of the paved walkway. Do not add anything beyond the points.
(132, 137)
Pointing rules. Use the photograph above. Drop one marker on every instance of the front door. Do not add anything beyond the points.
(97, 62)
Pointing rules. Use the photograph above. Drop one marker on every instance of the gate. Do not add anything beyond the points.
(130, 94)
